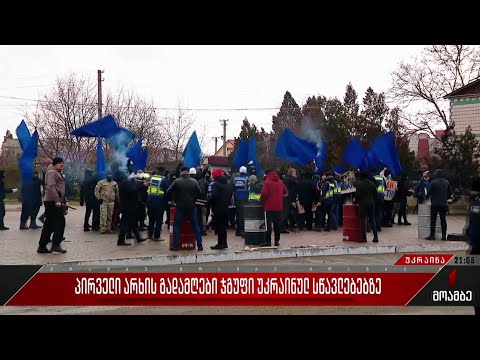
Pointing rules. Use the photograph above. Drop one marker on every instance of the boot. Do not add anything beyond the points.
(33, 224)
(121, 240)
(2, 226)
(138, 237)
(58, 249)
(217, 247)
(23, 225)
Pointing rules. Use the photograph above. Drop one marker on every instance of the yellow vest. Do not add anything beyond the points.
(380, 187)
(154, 188)
(254, 196)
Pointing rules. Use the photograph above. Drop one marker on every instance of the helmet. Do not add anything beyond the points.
(192, 171)
(243, 170)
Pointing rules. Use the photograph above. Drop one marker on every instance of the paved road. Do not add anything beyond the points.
(380, 259)
(19, 247)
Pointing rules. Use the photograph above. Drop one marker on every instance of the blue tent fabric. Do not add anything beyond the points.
(241, 156)
(383, 150)
(101, 160)
(354, 153)
(104, 127)
(192, 152)
(26, 161)
(294, 149)
(23, 135)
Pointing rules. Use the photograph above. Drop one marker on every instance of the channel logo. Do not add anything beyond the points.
(452, 296)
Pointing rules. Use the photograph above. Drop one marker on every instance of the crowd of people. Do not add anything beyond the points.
(298, 200)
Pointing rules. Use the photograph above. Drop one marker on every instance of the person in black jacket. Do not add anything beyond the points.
(402, 192)
(129, 190)
(472, 230)
(365, 195)
(26, 195)
(3, 191)
(290, 182)
(36, 200)
(219, 201)
(439, 192)
(87, 198)
(307, 194)
(185, 190)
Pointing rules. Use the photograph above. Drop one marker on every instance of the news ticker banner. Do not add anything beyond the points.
(421, 280)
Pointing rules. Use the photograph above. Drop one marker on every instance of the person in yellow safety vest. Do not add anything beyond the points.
(157, 203)
(379, 201)
(254, 190)
(328, 189)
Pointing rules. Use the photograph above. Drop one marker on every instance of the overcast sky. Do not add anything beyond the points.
(202, 77)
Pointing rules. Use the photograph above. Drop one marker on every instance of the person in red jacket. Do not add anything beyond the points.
(272, 200)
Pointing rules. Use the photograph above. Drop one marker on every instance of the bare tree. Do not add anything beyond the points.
(178, 129)
(70, 104)
(440, 70)
(202, 137)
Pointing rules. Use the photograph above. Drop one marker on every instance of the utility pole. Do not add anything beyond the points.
(224, 137)
(100, 93)
(216, 141)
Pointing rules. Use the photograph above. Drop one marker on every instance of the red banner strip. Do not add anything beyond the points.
(215, 289)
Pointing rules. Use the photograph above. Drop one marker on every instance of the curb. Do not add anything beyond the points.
(277, 253)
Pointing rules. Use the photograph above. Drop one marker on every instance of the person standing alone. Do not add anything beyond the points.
(439, 191)
(55, 203)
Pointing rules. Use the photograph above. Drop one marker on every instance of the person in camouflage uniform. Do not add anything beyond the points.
(106, 192)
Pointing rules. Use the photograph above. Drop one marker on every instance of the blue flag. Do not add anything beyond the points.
(26, 161)
(294, 149)
(192, 152)
(340, 169)
(23, 135)
(101, 160)
(354, 154)
(252, 155)
(104, 127)
(383, 152)
(138, 156)
(241, 155)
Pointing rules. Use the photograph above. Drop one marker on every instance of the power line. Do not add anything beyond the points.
(26, 86)
(176, 108)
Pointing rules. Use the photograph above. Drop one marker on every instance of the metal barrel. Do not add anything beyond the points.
(424, 222)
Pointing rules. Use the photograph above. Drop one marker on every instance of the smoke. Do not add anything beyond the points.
(309, 132)
(118, 161)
